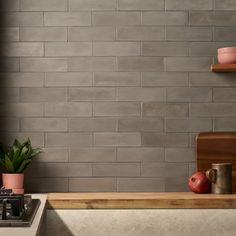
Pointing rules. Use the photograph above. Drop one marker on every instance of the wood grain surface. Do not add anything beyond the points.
(218, 147)
(178, 200)
(223, 68)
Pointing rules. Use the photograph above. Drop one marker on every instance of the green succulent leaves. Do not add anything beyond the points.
(16, 158)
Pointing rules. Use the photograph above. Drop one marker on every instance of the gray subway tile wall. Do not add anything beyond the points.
(114, 91)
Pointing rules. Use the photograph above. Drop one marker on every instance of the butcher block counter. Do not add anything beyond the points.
(141, 214)
(171, 200)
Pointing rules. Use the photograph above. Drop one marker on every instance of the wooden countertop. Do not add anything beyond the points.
(178, 200)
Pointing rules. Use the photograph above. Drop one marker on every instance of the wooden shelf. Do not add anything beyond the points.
(223, 68)
(172, 200)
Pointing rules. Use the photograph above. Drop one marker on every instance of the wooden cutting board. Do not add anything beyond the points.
(217, 147)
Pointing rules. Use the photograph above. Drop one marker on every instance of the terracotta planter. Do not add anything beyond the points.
(14, 182)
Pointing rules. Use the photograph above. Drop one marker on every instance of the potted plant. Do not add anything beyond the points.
(14, 160)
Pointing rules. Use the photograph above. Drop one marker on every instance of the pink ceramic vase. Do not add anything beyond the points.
(226, 50)
(14, 182)
(227, 58)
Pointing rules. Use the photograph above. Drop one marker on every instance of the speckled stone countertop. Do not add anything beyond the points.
(33, 230)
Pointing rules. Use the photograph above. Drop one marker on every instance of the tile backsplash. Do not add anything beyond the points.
(114, 91)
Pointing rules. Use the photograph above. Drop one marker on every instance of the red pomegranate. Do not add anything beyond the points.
(199, 183)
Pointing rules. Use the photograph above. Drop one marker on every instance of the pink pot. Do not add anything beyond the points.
(14, 182)
(226, 50)
(227, 58)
